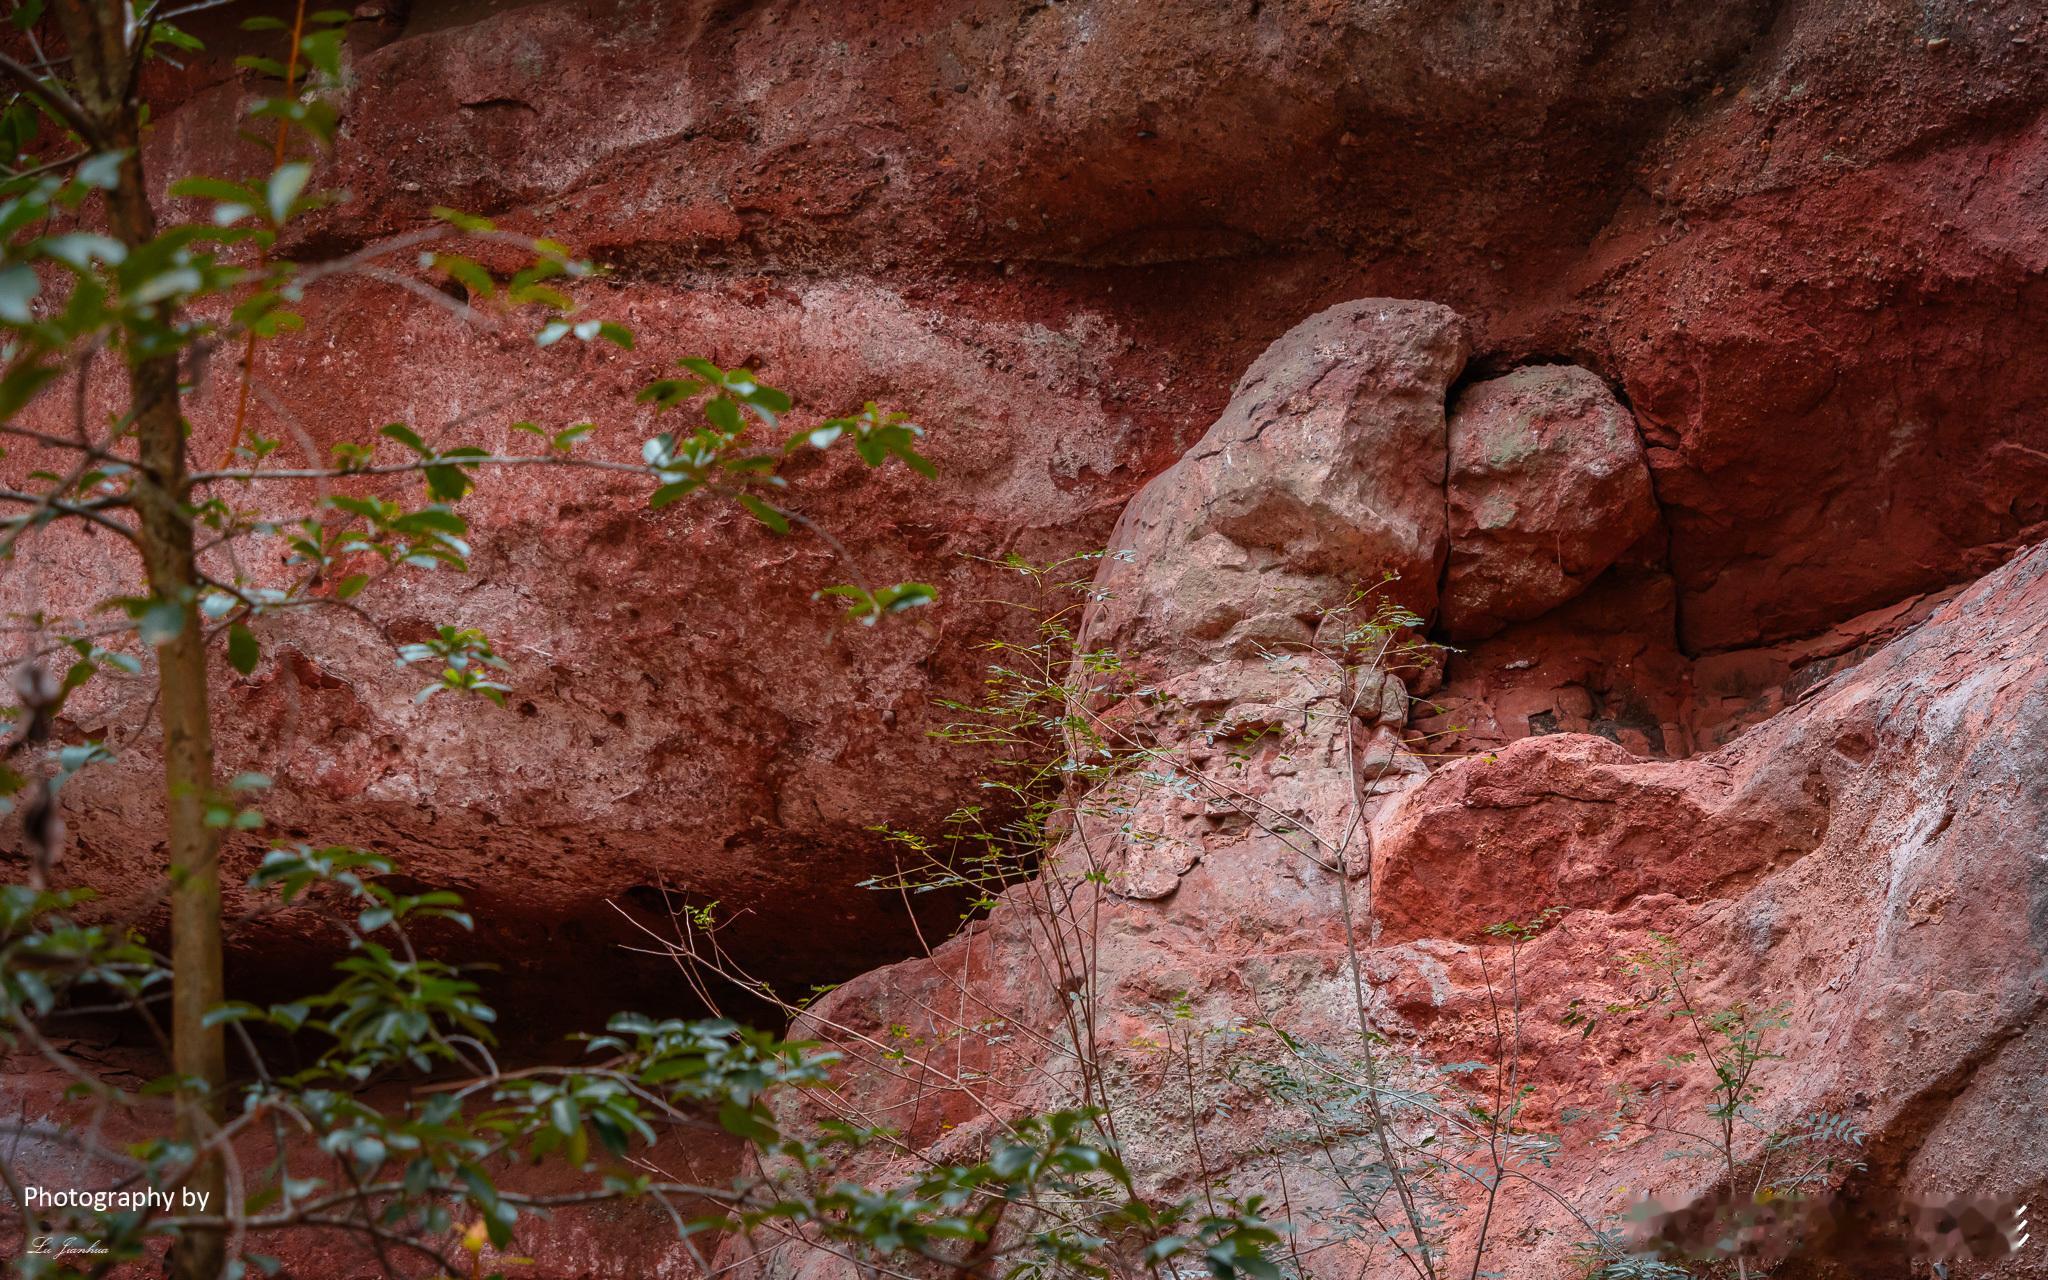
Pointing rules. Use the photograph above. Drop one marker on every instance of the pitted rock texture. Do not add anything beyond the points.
(1802, 240)
(683, 718)
(1467, 850)
(1772, 225)
(1325, 474)
(1866, 861)
(1869, 860)
(977, 129)
(1547, 488)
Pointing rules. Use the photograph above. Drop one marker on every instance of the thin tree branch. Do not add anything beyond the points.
(59, 103)
(83, 511)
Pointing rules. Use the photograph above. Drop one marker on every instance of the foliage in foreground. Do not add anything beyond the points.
(414, 1177)
(108, 294)
(1388, 1152)
(432, 1175)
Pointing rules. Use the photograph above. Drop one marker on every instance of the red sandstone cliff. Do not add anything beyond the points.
(1793, 251)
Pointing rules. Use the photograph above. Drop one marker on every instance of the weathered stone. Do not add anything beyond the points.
(1323, 477)
(1547, 488)
(1804, 239)
(1869, 859)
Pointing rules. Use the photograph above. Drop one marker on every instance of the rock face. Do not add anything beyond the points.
(1229, 574)
(1801, 242)
(1547, 488)
(1866, 865)
(1867, 859)
(1325, 474)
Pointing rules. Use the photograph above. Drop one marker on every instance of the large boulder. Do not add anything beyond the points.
(1869, 862)
(1547, 488)
(1323, 477)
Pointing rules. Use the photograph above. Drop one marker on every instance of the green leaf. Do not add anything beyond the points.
(242, 649)
(471, 274)
(73, 758)
(498, 1216)
(431, 520)
(906, 595)
(283, 189)
(18, 287)
(264, 23)
(161, 622)
(20, 385)
(766, 514)
(80, 249)
(166, 284)
(233, 1011)
(672, 492)
(323, 50)
(745, 1122)
(617, 334)
(176, 37)
(214, 189)
(914, 460)
(1165, 1247)
(724, 414)
(406, 436)
(315, 115)
(350, 585)
(368, 508)
(103, 171)
(447, 484)
(463, 221)
(275, 321)
(667, 393)
(552, 298)
(868, 608)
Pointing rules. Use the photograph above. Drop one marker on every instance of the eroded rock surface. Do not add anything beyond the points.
(1868, 861)
(1547, 488)
(1325, 474)
(1802, 241)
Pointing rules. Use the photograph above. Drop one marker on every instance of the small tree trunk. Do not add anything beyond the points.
(198, 1051)
(97, 33)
